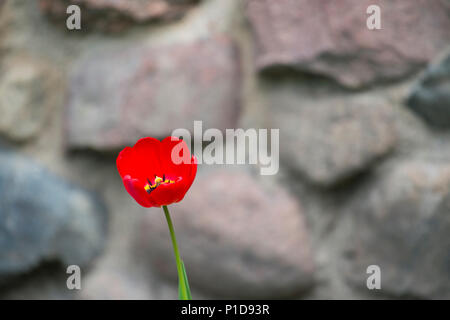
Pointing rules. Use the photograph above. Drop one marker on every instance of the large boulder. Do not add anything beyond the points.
(402, 225)
(237, 238)
(43, 218)
(331, 37)
(118, 96)
(29, 92)
(330, 140)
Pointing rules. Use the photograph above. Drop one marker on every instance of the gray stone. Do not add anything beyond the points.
(237, 238)
(403, 226)
(331, 37)
(43, 218)
(28, 93)
(118, 96)
(106, 284)
(117, 15)
(329, 140)
(46, 282)
(430, 98)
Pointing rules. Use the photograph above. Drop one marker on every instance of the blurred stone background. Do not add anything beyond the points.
(364, 119)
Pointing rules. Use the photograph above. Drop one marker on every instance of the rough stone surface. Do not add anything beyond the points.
(117, 15)
(242, 236)
(43, 218)
(331, 37)
(430, 97)
(237, 238)
(27, 96)
(152, 91)
(332, 139)
(121, 286)
(46, 282)
(402, 226)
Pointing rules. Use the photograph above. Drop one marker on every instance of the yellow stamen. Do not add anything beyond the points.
(158, 180)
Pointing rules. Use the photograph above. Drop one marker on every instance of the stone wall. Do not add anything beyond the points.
(364, 119)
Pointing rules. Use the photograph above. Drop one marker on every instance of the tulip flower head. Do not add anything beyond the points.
(152, 173)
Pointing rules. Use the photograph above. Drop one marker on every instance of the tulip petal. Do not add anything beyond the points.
(124, 162)
(190, 177)
(166, 194)
(142, 161)
(172, 147)
(137, 191)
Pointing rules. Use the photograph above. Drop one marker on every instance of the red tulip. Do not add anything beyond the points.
(150, 173)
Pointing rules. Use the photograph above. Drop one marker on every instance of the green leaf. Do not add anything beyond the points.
(184, 292)
(186, 282)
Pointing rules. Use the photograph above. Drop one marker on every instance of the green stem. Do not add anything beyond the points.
(181, 277)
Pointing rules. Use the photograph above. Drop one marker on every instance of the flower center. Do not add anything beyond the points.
(158, 180)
